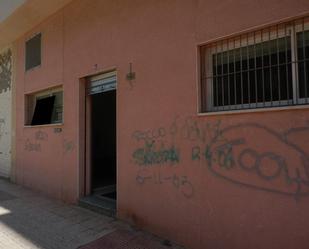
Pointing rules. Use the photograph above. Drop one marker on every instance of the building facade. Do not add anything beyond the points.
(6, 74)
(195, 113)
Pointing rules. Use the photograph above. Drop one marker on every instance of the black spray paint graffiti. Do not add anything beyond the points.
(151, 154)
(154, 152)
(149, 135)
(42, 136)
(250, 155)
(30, 146)
(248, 163)
(68, 146)
(5, 70)
(181, 183)
(193, 130)
(57, 130)
(35, 146)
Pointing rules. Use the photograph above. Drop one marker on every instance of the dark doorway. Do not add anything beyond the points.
(103, 144)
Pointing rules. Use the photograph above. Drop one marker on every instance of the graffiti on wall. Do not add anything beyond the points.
(40, 135)
(179, 182)
(155, 152)
(5, 70)
(2, 124)
(250, 155)
(152, 153)
(38, 142)
(32, 146)
(35, 145)
(242, 156)
(68, 146)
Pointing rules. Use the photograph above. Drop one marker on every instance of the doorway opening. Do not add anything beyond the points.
(100, 175)
(103, 144)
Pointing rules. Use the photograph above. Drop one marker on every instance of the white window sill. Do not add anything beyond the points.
(45, 125)
(246, 111)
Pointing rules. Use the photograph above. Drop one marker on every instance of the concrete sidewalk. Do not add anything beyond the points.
(30, 220)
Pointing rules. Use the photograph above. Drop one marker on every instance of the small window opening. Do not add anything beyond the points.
(33, 52)
(45, 107)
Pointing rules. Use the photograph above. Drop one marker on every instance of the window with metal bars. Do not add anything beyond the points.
(263, 68)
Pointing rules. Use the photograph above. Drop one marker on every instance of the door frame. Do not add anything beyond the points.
(84, 176)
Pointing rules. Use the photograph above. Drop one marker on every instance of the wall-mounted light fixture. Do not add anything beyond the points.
(131, 74)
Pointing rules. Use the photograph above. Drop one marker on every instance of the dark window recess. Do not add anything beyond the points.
(33, 52)
(254, 74)
(303, 63)
(43, 111)
(264, 68)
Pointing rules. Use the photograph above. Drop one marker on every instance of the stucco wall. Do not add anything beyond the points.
(40, 159)
(6, 69)
(193, 196)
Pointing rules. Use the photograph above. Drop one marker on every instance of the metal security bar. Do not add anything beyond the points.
(263, 68)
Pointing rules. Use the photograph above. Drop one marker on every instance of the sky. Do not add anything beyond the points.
(8, 6)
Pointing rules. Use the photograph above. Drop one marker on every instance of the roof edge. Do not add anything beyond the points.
(26, 17)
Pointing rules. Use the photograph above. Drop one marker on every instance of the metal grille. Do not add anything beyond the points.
(102, 83)
(263, 68)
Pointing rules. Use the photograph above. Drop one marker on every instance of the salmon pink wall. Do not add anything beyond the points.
(220, 181)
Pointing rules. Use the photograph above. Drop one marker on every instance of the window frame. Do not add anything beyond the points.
(30, 104)
(41, 50)
(273, 32)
